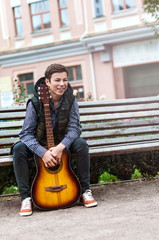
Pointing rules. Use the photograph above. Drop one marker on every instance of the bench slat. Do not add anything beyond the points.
(95, 133)
(11, 124)
(9, 133)
(128, 148)
(6, 160)
(118, 102)
(121, 140)
(13, 109)
(120, 124)
(8, 141)
(120, 132)
(129, 108)
(116, 116)
(12, 115)
(4, 151)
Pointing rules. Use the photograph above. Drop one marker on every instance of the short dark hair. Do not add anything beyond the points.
(54, 68)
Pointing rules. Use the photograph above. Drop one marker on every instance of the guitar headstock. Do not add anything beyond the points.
(44, 94)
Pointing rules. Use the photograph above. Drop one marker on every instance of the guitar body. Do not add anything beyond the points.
(57, 187)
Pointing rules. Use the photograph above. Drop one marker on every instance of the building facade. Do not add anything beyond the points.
(108, 50)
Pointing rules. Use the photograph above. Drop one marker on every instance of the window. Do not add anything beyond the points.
(123, 4)
(18, 21)
(75, 73)
(98, 8)
(63, 13)
(26, 80)
(75, 79)
(40, 15)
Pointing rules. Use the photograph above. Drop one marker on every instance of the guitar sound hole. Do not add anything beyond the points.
(54, 168)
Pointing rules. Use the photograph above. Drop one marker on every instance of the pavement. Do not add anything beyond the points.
(125, 211)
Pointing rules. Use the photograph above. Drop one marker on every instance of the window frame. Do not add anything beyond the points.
(60, 15)
(25, 82)
(75, 83)
(15, 19)
(124, 6)
(41, 18)
(75, 80)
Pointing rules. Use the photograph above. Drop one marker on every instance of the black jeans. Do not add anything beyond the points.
(21, 154)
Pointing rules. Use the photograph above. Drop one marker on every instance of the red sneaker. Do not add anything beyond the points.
(26, 207)
(87, 199)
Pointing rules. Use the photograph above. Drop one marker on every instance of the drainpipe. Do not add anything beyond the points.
(90, 53)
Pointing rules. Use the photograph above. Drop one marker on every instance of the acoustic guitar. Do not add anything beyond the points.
(55, 187)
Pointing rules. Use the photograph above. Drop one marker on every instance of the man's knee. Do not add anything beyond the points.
(20, 150)
(18, 147)
(80, 144)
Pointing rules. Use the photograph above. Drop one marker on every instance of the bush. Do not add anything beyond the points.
(107, 177)
(12, 189)
(147, 163)
(99, 165)
(136, 174)
(7, 177)
(122, 166)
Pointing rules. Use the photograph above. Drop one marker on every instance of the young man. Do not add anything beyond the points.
(66, 128)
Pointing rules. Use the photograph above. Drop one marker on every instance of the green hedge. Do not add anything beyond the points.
(121, 166)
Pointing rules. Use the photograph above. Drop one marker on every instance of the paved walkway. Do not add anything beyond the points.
(128, 211)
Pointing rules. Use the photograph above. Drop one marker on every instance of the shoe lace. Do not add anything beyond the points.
(26, 203)
(88, 195)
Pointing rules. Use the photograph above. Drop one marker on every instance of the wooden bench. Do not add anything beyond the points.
(110, 127)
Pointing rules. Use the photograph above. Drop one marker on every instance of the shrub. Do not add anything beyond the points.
(147, 163)
(107, 177)
(122, 166)
(136, 174)
(7, 177)
(11, 189)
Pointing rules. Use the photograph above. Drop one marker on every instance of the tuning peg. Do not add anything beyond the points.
(50, 96)
(38, 88)
(39, 93)
(39, 98)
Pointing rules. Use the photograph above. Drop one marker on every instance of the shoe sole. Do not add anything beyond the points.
(25, 213)
(91, 205)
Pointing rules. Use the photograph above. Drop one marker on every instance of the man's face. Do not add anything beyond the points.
(57, 84)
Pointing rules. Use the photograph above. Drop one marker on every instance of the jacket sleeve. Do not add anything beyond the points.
(26, 135)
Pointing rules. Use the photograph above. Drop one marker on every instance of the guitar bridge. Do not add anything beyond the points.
(57, 188)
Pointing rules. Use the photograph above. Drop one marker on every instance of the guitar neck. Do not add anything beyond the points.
(49, 128)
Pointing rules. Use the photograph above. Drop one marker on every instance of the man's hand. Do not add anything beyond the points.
(57, 152)
(53, 156)
(49, 160)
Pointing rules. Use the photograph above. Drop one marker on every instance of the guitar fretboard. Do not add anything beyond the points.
(49, 128)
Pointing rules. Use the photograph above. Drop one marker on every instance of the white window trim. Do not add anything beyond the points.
(15, 3)
(32, 1)
(123, 13)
